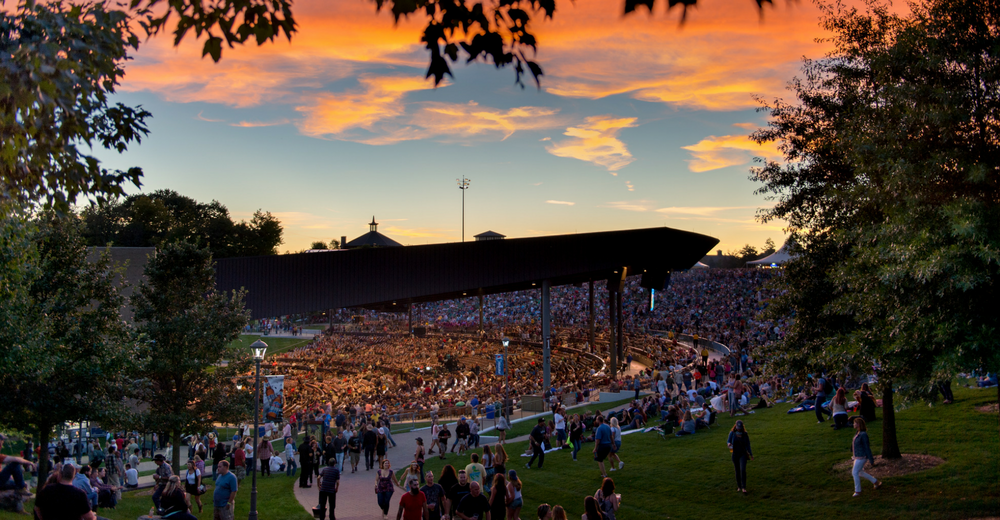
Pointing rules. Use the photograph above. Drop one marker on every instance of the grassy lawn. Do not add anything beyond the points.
(275, 501)
(524, 427)
(275, 345)
(792, 476)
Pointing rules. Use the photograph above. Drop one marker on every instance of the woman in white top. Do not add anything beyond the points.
(839, 406)
(192, 483)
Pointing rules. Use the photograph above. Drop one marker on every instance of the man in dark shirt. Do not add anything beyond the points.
(339, 447)
(435, 497)
(354, 448)
(162, 475)
(63, 501)
(474, 506)
(458, 491)
(329, 483)
(305, 462)
(368, 442)
(537, 437)
(461, 434)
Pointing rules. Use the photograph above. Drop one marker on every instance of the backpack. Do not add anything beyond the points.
(827, 386)
(608, 508)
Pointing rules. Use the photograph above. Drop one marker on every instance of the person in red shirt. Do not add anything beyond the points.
(413, 505)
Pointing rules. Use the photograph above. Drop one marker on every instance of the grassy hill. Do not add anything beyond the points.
(792, 477)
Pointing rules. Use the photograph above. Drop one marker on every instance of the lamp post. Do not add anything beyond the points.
(259, 349)
(506, 377)
(463, 184)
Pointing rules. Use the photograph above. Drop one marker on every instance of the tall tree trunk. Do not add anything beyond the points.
(890, 444)
(44, 431)
(175, 461)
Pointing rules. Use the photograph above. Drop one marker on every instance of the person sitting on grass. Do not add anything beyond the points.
(687, 426)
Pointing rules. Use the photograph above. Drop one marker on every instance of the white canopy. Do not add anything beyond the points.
(779, 257)
(699, 265)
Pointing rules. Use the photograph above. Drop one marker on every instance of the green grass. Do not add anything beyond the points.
(792, 475)
(524, 427)
(275, 345)
(276, 501)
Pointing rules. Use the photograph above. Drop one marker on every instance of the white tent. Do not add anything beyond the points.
(699, 265)
(779, 257)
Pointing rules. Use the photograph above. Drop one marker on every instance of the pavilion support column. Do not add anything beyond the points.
(546, 337)
(621, 327)
(409, 318)
(590, 308)
(480, 313)
(612, 328)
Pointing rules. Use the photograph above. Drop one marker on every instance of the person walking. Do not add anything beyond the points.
(603, 442)
(434, 494)
(576, 434)
(218, 455)
(368, 441)
(192, 483)
(861, 450)
(616, 444)
(536, 438)
(329, 484)
(384, 486)
(305, 461)
(739, 447)
(354, 451)
(413, 504)
(418, 457)
(339, 449)
(224, 496)
(822, 387)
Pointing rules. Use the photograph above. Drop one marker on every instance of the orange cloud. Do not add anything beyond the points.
(596, 141)
(560, 202)
(716, 61)
(472, 119)
(714, 152)
(259, 124)
(380, 98)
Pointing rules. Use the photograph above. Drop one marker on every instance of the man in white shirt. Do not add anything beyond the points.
(131, 477)
(560, 428)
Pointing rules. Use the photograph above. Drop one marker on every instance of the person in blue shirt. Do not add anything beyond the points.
(82, 482)
(602, 443)
(861, 452)
(224, 496)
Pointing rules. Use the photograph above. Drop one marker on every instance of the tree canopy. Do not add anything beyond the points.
(164, 216)
(184, 328)
(890, 186)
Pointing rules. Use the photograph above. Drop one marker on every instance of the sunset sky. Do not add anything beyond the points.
(639, 122)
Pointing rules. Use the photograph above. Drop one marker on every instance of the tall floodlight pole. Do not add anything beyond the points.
(506, 377)
(463, 184)
(259, 348)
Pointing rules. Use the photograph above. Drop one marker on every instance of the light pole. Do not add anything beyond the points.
(463, 184)
(259, 349)
(506, 377)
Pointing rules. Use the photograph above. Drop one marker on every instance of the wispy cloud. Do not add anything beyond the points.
(464, 121)
(200, 117)
(419, 232)
(596, 141)
(536, 184)
(631, 205)
(714, 152)
(628, 184)
(259, 124)
(700, 211)
(563, 202)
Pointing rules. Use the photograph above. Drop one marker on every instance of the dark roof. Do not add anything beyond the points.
(490, 234)
(372, 239)
(392, 277)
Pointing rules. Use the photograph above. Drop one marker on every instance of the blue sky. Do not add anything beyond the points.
(639, 123)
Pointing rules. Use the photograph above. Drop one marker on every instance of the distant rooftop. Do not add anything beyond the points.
(372, 239)
(490, 235)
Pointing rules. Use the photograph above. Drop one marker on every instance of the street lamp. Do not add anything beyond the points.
(259, 349)
(463, 184)
(506, 377)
